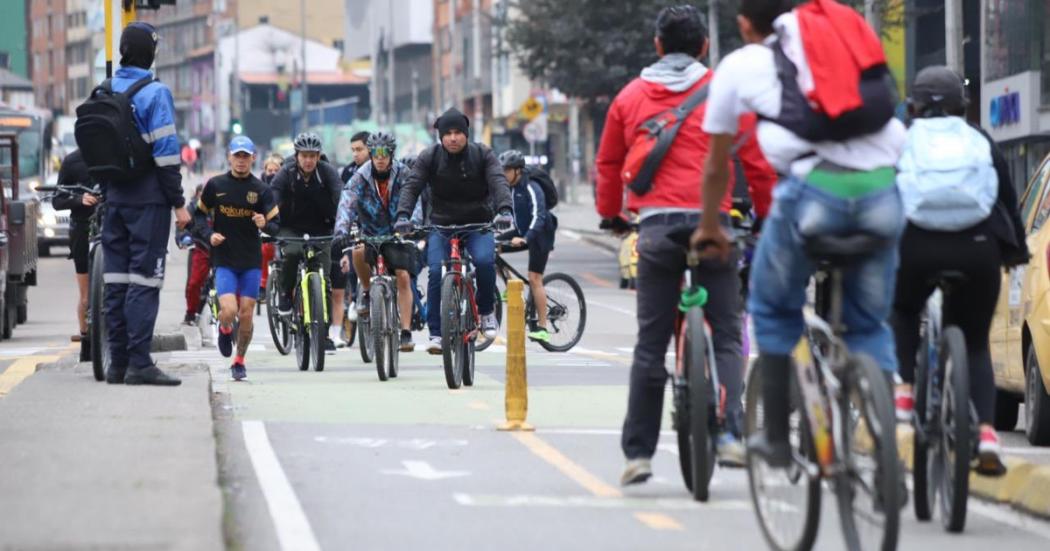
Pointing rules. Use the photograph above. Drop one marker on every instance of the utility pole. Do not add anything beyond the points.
(414, 119)
(117, 17)
(391, 96)
(714, 51)
(872, 16)
(479, 109)
(953, 36)
(302, 45)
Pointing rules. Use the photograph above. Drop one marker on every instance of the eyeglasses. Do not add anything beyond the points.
(382, 151)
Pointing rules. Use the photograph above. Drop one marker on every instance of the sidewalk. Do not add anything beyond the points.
(86, 465)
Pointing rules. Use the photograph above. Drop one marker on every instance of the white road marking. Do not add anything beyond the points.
(1027, 451)
(617, 309)
(289, 519)
(569, 234)
(423, 471)
(417, 444)
(18, 352)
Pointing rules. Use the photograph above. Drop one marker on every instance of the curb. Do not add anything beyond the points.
(1025, 487)
(598, 239)
(168, 342)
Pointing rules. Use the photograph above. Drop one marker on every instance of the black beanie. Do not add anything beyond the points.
(453, 119)
(138, 45)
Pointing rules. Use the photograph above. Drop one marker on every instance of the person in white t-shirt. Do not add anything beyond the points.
(825, 188)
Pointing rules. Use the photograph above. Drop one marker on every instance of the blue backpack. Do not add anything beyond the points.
(945, 175)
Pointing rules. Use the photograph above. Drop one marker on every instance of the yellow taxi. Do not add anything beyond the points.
(1020, 334)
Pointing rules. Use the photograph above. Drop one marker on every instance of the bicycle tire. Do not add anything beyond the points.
(451, 331)
(562, 338)
(702, 450)
(922, 470)
(497, 308)
(377, 319)
(279, 330)
(869, 394)
(100, 358)
(955, 408)
(300, 335)
(805, 528)
(393, 334)
(364, 338)
(318, 320)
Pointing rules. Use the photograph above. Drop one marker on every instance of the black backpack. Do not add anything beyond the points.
(112, 144)
(550, 191)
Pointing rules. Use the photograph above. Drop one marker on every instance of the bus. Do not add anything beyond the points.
(33, 128)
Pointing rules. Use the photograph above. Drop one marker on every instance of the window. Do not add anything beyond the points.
(1014, 36)
(5, 60)
(1037, 194)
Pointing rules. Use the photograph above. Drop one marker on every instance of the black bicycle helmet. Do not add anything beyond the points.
(938, 91)
(512, 158)
(308, 141)
(382, 140)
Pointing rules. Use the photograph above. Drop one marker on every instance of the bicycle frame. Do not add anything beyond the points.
(304, 271)
(456, 263)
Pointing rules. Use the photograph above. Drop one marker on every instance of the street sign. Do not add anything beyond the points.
(531, 109)
(536, 130)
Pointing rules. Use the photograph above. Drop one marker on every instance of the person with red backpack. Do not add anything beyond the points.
(666, 197)
(817, 78)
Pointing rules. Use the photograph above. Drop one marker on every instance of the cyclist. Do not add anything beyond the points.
(307, 191)
(359, 155)
(239, 205)
(832, 187)
(533, 229)
(271, 166)
(975, 238)
(370, 201)
(671, 206)
(81, 206)
(196, 234)
(466, 185)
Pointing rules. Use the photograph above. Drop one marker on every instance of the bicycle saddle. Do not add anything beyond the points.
(841, 250)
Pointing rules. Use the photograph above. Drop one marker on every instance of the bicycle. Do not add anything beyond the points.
(280, 329)
(566, 308)
(96, 322)
(308, 321)
(842, 424)
(945, 419)
(460, 320)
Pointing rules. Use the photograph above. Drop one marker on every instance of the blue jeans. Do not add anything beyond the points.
(781, 269)
(482, 250)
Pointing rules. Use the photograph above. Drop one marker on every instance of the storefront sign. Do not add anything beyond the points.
(1005, 109)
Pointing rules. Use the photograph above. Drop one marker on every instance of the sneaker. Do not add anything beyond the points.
(729, 450)
(434, 347)
(151, 375)
(190, 319)
(636, 472)
(115, 375)
(351, 312)
(406, 341)
(989, 453)
(776, 454)
(284, 304)
(225, 343)
(238, 371)
(904, 403)
(362, 307)
(489, 326)
(540, 335)
(329, 346)
(78, 337)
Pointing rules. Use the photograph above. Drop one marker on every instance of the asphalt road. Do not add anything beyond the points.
(339, 460)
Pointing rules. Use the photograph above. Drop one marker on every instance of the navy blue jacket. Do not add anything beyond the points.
(532, 220)
(155, 117)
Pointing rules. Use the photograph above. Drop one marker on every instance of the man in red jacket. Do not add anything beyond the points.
(673, 204)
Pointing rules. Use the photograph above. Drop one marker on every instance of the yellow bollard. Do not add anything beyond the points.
(516, 389)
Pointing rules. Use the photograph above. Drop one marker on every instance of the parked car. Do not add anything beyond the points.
(1020, 334)
(17, 240)
(52, 225)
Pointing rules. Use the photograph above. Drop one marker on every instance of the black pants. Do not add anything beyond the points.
(661, 265)
(970, 304)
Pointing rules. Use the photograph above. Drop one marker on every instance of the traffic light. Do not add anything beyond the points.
(235, 127)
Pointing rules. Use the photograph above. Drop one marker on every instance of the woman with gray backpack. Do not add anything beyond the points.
(962, 217)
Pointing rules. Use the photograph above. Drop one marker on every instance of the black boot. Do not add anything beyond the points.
(772, 442)
(115, 375)
(151, 375)
(85, 350)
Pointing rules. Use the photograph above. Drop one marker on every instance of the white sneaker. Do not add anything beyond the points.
(351, 313)
(434, 347)
(489, 326)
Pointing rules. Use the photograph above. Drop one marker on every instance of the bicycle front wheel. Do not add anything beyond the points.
(786, 501)
(566, 312)
(956, 438)
(279, 330)
(481, 343)
(318, 326)
(100, 359)
(378, 320)
(452, 330)
(923, 472)
(301, 332)
(701, 442)
(869, 490)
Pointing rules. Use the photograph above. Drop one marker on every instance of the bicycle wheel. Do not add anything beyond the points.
(701, 443)
(378, 320)
(480, 344)
(349, 328)
(868, 491)
(364, 338)
(279, 330)
(957, 432)
(786, 501)
(393, 341)
(922, 472)
(300, 333)
(100, 359)
(451, 330)
(566, 312)
(318, 320)
(469, 347)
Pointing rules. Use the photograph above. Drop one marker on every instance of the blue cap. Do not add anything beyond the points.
(242, 144)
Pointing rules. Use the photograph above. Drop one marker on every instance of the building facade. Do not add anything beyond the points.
(325, 19)
(82, 43)
(14, 38)
(47, 46)
(462, 57)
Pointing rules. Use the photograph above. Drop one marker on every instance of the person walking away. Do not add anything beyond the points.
(195, 234)
(82, 207)
(239, 206)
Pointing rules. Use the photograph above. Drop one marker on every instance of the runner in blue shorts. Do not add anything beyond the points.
(239, 206)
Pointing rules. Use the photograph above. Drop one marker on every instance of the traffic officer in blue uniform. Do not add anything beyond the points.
(138, 220)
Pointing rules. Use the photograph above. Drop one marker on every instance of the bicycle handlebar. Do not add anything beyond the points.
(69, 187)
(478, 226)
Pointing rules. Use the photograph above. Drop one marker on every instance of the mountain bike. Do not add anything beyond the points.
(945, 420)
(280, 329)
(842, 425)
(308, 320)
